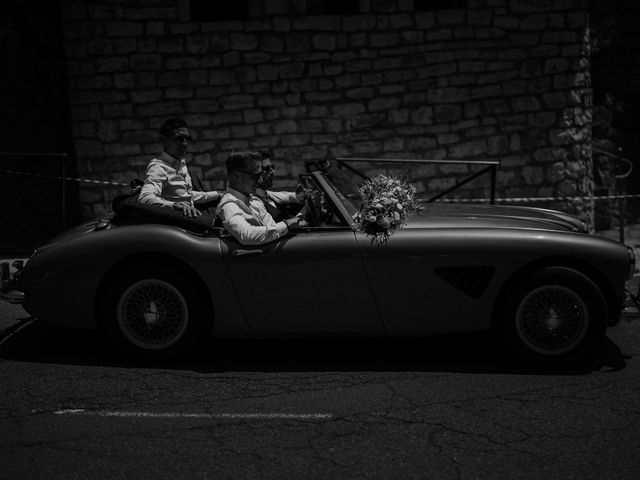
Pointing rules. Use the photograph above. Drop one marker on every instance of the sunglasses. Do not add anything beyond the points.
(182, 138)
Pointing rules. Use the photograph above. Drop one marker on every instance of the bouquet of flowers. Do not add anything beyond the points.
(387, 204)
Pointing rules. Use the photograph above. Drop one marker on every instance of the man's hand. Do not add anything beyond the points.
(295, 223)
(302, 193)
(187, 209)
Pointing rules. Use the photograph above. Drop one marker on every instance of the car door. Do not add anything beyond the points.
(308, 281)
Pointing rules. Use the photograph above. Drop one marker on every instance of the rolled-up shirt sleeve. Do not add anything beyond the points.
(236, 224)
(201, 197)
(151, 192)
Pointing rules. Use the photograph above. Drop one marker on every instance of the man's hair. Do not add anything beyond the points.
(265, 154)
(242, 161)
(168, 127)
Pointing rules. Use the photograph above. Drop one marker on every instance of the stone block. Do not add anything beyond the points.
(369, 147)
(439, 34)
(498, 145)
(123, 29)
(146, 96)
(398, 116)
(563, 36)
(242, 41)
(178, 92)
(323, 41)
(448, 95)
(317, 22)
(515, 87)
(358, 65)
(197, 45)
(534, 22)
(379, 40)
(291, 70)
(440, 69)
(422, 115)
(531, 69)
(173, 78)
(140, 136)
(353, 23)
(472, 67)
(117, 149)
(447, 113)
(451, 17)
(158, 109)
(146, 62)
(554, 100)
(243, 131)
(383, 103)
(222, 77)
(487, 91)
(542, 119)
(294, 140)
(346, 110)
(468, 149)
(525, 104)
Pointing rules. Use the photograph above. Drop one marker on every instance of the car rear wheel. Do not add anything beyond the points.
(553, 315)
(153, 313)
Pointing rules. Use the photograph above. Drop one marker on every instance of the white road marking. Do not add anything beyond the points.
(225, 416)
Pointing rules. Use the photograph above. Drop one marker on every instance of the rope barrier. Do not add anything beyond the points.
(533, 199)
(444, 200)
(84, 180)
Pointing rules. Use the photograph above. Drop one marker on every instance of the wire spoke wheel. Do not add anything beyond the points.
(553, 315)
(552, 320)
(152, 314)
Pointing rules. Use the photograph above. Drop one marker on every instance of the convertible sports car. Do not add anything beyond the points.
(157, 283)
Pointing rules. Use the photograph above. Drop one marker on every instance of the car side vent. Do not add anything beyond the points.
(471, 281)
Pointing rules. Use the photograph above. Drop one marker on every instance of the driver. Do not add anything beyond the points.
(273, 201)
(246, 220)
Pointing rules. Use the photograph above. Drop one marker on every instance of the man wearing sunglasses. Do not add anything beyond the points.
(248, 221)
(274, 201)
(167, 181)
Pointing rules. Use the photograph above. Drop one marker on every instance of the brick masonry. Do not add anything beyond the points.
(501, 79)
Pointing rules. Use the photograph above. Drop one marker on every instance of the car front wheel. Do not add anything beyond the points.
(153, 313)
(554, 315)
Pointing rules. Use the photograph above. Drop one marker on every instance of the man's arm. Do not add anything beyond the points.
(234, 222)
(151, 192)
(202, 197)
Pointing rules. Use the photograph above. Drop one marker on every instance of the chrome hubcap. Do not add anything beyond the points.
(552, 320)
(152, 314)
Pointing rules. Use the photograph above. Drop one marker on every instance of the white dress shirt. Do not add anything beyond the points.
(167, 181)
(248, 221)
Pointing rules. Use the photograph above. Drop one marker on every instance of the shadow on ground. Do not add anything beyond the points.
(31, 341)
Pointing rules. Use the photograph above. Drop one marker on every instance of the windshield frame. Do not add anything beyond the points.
(347, 206)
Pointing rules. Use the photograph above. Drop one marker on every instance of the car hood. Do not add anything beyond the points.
(438, 215)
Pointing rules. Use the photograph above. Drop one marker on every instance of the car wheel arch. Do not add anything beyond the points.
(157, 259)
(579, 266)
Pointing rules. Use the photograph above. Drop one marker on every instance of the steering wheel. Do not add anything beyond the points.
(312, 210)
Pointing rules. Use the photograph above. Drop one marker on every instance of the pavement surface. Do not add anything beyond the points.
(446, 407)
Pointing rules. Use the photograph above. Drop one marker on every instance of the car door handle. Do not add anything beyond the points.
(239, 252)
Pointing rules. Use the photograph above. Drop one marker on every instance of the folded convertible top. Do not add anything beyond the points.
(128, 210)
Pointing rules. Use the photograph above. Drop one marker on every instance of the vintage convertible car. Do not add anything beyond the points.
(157, 283)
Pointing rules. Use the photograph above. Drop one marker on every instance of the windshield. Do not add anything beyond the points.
(345, 189)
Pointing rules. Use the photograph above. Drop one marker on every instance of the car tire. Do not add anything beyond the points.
(153, 313)
(552, 316)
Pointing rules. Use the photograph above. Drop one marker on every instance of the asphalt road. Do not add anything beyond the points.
(450, 407)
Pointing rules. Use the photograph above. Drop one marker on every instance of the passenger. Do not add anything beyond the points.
(273, 201)
(246, 220)
(167, 181)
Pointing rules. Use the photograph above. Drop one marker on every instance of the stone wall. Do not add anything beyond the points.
(500, 79)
